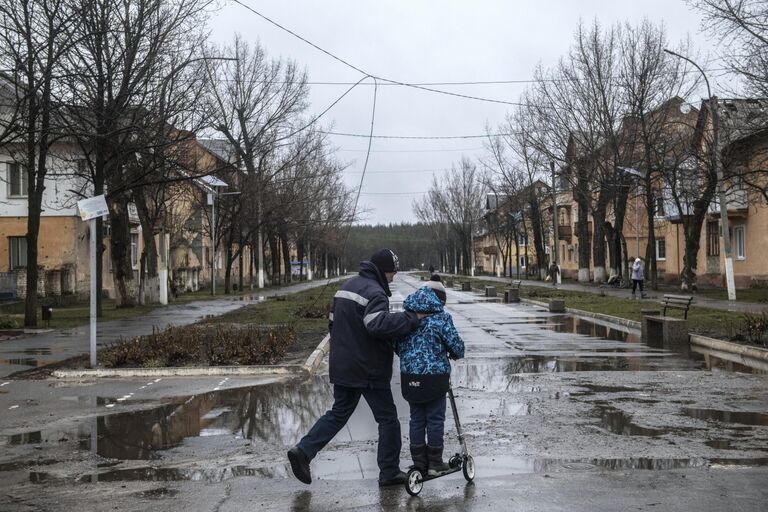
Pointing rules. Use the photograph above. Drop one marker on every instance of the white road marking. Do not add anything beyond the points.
(4, 384)
(13, 407)
(110, 405)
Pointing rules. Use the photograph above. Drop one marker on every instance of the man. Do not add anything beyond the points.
(361, 365)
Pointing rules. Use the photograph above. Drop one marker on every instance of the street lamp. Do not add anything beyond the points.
(720, 180)
(214, 184)
(637, 174)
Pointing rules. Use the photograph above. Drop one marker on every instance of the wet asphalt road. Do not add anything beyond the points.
(560, 414)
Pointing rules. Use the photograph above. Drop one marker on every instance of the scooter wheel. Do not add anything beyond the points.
(414, 482)
(455, 461)
(469, 468)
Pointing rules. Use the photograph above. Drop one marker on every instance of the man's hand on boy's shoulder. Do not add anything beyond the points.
(422, 316)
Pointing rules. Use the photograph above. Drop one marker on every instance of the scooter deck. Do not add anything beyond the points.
(427, 477)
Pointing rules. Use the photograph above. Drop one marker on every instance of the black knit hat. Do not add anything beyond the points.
(386, 260)
(437, 286)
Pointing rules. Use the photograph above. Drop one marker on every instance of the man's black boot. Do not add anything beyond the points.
(399, 479)
(436, 464)
(300, 465)
(419, 456)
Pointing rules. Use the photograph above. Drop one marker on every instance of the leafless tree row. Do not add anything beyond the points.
(126, 86)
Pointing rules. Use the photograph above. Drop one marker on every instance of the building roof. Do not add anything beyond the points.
(222, 148)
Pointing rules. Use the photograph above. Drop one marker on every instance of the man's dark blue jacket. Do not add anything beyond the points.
(362, 329)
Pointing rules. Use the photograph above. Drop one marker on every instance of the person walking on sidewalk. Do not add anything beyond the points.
(360, 364)
(638, 277)
(425, 374)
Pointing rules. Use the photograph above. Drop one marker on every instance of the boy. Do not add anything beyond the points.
(425, 373)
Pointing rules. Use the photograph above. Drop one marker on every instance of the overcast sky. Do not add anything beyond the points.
(427, 41)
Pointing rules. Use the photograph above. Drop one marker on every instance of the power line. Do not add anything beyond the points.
(394, 193)
(421, 137)
(387, 80)
(411, 150)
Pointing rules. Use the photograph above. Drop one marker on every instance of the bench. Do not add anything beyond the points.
(665, 331)
(682, 302)
(512, 294)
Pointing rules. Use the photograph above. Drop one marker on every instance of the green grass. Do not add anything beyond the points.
(284, 311)
(12, 314)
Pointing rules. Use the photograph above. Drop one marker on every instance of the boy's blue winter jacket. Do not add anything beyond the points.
(426, 350)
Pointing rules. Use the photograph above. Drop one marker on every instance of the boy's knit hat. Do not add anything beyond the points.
(437, 285)
(386, 260)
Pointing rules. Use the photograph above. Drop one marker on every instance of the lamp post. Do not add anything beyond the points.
(730, 283)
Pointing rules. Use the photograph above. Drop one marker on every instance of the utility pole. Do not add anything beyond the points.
(722, 196)
(556, 235)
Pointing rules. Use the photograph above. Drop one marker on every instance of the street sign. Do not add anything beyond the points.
(93, 207)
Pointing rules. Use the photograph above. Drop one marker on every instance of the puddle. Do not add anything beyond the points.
(274, 413)
(576, 325)
(363, 466)
(24, 361)
(740, 417)
(617, 421)
(720, 444)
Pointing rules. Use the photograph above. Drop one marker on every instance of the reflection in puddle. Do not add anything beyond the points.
(740, 417)
(274, 413)
(357, 467)
(617, 421)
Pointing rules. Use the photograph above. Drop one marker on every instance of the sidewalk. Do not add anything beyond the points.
(50, 347)
(624, 293)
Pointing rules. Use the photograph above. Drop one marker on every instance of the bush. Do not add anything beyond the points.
(8, 322)
(756, 327)
(202, 344)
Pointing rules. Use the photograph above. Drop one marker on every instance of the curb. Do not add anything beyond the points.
(213, 371)
(754, 357)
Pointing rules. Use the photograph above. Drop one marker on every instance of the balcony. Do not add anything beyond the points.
(564, 232)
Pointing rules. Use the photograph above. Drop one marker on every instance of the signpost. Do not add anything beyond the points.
(90, 210)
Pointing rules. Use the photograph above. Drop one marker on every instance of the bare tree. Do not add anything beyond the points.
(741, 27)
(457, 201)
(659, 122)
(113, 85)
(34, 36)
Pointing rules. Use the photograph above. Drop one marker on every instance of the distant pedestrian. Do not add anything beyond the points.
(638, 276)
(425, 374)
(360, 364)
(431, 270)
(554, 271)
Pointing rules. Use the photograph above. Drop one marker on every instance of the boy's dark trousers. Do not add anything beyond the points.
(345, 401)
(429, 417)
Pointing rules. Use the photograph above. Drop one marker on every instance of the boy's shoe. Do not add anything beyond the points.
(399, 479)
(436, 464)
(419, 456)
(300, 465)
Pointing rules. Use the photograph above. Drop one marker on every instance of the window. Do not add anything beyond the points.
(522, 261)
(661, 249)
(135, 250)
(563, 217)
(522, 240)
(562, 252)
(738, 241)
(713, 239)
(17, 180)
(660, 206)
(17, 251)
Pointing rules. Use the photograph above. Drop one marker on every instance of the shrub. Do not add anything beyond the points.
(216, 345)
(756, 327)
(312, 311)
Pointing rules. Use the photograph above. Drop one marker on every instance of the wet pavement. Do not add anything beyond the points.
(560, 413)
(31, 351)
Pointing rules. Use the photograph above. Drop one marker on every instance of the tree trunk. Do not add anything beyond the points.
(598, 225)
(228, 270)
(274, 252)
(149, 282)
(287, 258)
(120, 252)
